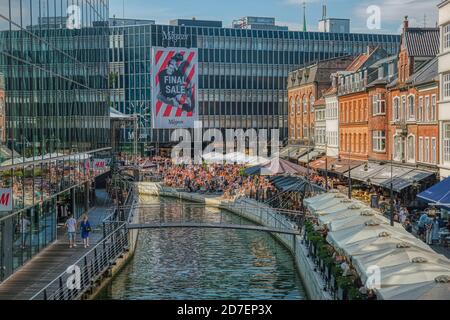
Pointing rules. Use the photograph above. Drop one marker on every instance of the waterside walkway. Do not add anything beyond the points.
(55, 259)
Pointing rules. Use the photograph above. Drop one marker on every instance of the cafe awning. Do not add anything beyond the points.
(364, 172)
(320, 164)
(438, 194)
(298, 184)
(400, 183)
(343, 166)
(380, 175)
(309, 156)
(294, 152)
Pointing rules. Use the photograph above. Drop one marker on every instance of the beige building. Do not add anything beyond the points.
(444, 78)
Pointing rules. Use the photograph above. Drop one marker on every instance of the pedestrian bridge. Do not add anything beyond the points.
(192, 225)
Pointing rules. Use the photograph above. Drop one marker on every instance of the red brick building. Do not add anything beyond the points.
(412, 102)
(353, 98)
(305, 87)
(379, 144)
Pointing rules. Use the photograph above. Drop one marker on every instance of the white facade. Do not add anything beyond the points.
(444, 79)
(332, 125)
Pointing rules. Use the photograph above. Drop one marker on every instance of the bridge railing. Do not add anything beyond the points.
(119, 215)
(90, 268)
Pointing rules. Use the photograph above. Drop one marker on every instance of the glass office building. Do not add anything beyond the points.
(54, 116)
(243, 73)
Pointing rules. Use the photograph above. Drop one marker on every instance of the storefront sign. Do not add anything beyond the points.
(6, 200)
(100, 164)
(171, 36)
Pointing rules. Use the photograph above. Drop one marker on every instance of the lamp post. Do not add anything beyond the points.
(392, 192)
(349, 174)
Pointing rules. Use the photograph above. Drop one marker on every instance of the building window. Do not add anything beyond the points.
(292, 107)
(411, 148)
(420, 149)
(433, 151)
(427, 150)
(411, 107)
(396, 114)
(379, 141)
(403, 114)
(427, 109)
(398, 148)
(446, 86)
(433, 108)
(305, 132)
(299, 106)
(312, 101)
(446, 150)
(446, 36)
(305, 105)
(378, 105)
(420, 110)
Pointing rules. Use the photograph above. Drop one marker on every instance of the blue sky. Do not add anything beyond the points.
(287, 12)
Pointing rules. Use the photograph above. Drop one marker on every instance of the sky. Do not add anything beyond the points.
(286, 12)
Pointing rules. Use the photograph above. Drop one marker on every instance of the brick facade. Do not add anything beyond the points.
(353, 126)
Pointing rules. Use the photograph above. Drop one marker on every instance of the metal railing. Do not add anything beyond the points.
(90, 268)
(82, 275)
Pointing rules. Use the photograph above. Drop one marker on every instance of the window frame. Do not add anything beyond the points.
(378, 140)
(411, 116)
(409, 149)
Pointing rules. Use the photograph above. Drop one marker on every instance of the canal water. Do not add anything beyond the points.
(204, 264)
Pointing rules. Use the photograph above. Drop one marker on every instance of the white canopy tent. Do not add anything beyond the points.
(234, 157)
(367, 240)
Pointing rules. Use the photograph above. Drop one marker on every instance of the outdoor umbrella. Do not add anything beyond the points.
(427, 280)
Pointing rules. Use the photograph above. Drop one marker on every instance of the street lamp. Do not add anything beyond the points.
(349, 174)
(392, 192)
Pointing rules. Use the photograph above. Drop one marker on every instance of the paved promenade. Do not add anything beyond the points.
(55, 259)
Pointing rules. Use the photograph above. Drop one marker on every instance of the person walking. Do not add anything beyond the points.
(435, 228)
(86, 229)
(71, 225)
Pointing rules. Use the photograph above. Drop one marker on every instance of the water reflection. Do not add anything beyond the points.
(205, 263)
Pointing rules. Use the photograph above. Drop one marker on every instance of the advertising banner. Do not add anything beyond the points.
(174, 88)
(100, 164)
(6, 200)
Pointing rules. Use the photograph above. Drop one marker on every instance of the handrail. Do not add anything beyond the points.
(95, 261)
(98, 252)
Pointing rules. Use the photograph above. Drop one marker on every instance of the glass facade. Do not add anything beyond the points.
(243, 73)
(54, 114)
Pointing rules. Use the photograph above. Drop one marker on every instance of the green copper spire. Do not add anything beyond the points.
(304, 17)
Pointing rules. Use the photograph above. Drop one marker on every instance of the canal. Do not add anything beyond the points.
(204, 264)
